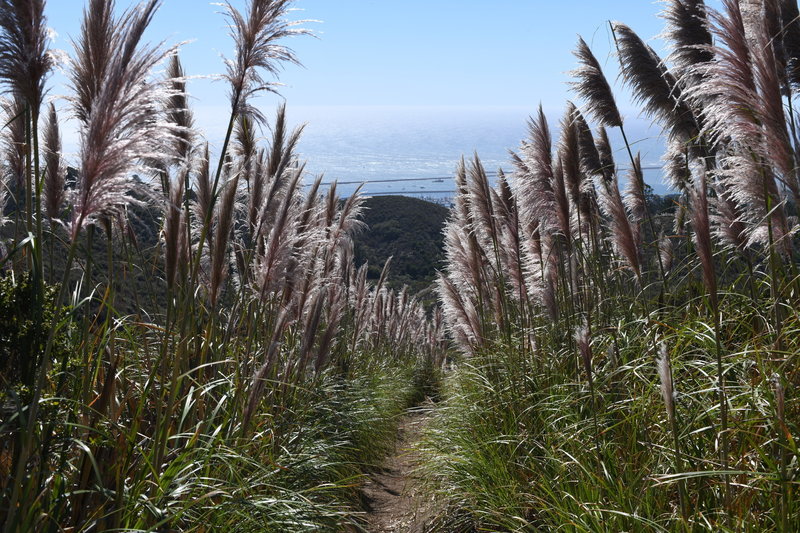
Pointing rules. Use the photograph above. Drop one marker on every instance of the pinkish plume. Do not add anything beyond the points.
(54, 171)
(25, 61)
(653, 85)
(687, 29)
(624, 234)
(592, 86)
(256, 35)
(119, 127)
(15, 147)
(634, 197)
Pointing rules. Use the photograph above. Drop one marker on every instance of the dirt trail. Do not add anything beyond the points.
(394, 502)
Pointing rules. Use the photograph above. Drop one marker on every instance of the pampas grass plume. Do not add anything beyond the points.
(54, 171)
(665, 377)
(25, 61)
(593, 87)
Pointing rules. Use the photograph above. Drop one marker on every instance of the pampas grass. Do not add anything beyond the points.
(25, 61)
(179, 113)
(687, 30)
(508, 450)
(654, 87)
(591, 85)
(257, 36)
(119, 122)
(54, 172)
(242, 348)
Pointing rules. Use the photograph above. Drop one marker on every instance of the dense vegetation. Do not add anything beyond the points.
(186, 343)
(628, 369)
(407, 230)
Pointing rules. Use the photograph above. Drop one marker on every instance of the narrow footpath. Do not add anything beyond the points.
(394, 502)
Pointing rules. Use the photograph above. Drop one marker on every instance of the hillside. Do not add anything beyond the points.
(407, 229)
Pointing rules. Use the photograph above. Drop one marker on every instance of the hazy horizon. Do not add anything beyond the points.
(399, 92)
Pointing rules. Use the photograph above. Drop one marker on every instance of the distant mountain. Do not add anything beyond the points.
(410, 231)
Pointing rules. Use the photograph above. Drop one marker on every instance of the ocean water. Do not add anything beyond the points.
(415, 150)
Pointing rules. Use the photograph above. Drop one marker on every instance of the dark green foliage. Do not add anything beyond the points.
(21, 333)
(410, 231)
(427, 382)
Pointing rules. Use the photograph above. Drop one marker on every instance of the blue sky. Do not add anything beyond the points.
(416, 52)
(470, 54)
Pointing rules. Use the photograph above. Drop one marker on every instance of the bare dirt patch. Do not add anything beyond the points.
(392, 494)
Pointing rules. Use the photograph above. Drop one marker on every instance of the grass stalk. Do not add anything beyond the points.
(28, 434)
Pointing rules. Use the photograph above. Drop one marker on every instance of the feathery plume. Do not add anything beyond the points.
(256, 34)
(569, 154)
(605, 154)
(256, 187)
(120, 126)
(687, 29)
(702, 238)
(246, 142)
(282, 147)
(548, 293)
(727, 219)
(202, 196)
(624, 235)
(754, 190)
(759, 15)
(776, 144)
(460, 315)
(335, 312)
(174, 230)
(667, 251)
(54, 172)
(773, 24)
(15, 147)
(348, 219)
(593, 87)
(510, 249)
(634, 197)
(277, 249)
(730, 76)
(461, 209)
(665, 377)
(791, 40)
(744, 111)
(678, 176)
(653, 85)
(752, 11)
(676, 166)
(95, 48)
(728, 87)
(561, 202)
(219, 253)
(179, 114)
(536, 174)
(311, 325)
(589, 156)
(585, 348)
(24, 58)
(480, 200)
